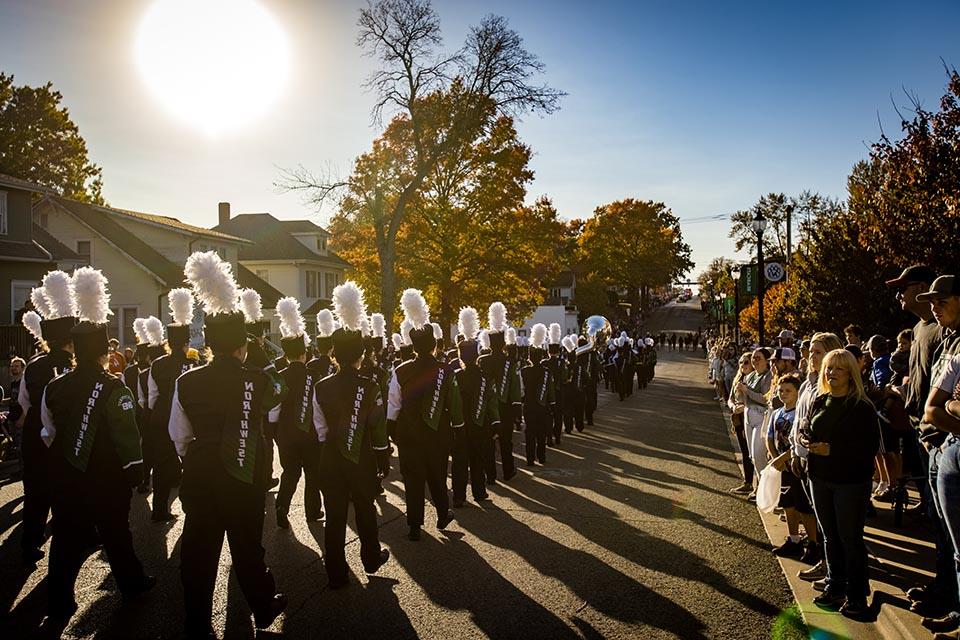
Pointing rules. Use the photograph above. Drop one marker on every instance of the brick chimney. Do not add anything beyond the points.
(224, 211)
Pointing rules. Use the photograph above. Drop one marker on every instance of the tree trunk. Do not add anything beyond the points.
(388, 285)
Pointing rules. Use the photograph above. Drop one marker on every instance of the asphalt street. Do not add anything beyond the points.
(627, 532)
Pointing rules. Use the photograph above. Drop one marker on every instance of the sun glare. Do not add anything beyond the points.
(215, 64)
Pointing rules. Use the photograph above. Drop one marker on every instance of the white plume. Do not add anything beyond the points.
(468, 324)
(90, 294)
(555, 333)
(325, 323)
(397, 341)
(58, 289)
(437, 331)
(569, 343)
(154, 330)
(484, 338)
(538, 335)
(415, 308)
(497, 316)
(181, 305)
(623, 334)
(39, 299)
(349, 306)
(365, 326)
(140, 329)
(291, 322)
(31, 320)
(379, 325)
(405, 327)
(510, 336)
(251, 305)
(212, 281)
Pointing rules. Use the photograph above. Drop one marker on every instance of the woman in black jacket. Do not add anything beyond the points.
(843, 436)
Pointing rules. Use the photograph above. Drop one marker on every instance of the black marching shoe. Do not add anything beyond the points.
(282, 520)
(265, 617)
(949, 622)
(445, 520)
(163, 517)
(508, 476)
(830, 599)
(32, 555)
(789, 549)
(381, 560)
(855, 609)
(414, 534)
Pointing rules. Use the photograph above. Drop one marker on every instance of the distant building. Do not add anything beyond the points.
(559, 306)
(291, 255)
(141, 254)
(26, 252)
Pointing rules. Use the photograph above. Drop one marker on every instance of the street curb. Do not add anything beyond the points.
(823, 624)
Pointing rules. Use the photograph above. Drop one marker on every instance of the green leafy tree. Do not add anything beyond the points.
(634, 244)
(40, 143)
(440, 102)
(776, 207)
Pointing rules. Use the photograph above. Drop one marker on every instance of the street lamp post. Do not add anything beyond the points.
(759, 225)
(735, 274)
(723, 311)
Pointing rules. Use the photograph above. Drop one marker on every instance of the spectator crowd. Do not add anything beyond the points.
(851, 422)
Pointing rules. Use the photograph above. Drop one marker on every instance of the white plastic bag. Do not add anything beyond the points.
(768, 489)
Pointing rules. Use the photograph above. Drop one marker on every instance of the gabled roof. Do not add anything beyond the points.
(54, 247)
(16, 183)
(268, 293)
(271, 239)
(173, 223)
(302, 226)
(13, 251)
(101, 220)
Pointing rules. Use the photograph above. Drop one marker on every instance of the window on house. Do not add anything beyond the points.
(19, 294)
(121, 325)
(321, 243)
(313, 284)
(3, 213)
(83, 250)
(263, 274)
(331, 280)
(555, 292)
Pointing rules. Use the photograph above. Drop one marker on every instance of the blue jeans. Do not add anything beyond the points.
(948, 496)
(945, 581)
(842, 512)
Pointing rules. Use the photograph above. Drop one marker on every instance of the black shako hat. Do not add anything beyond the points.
(58, 329)
(90, 340)
(293, 346)
(348, 346)
(225, 332)
(468, 350)
(423, 341)
(178, 335)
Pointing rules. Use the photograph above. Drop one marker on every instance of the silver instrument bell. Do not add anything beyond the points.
(597, 330)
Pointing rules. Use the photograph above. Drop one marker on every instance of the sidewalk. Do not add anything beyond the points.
(900, 558)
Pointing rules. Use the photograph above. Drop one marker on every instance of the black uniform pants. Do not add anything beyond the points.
(504, 432)
(167, 469)
(341, 486)
(36, 489)
(208, 518)
(573, 399)
(556, 410)
(625, 383)
(77, 509)
(296, 455)
(424, 464)
(469, 445)
(539, 422)
(590, 401)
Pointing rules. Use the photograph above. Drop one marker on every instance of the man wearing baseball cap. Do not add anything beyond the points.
(943, 297)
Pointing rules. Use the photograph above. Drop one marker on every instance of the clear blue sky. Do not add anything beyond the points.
(703, 105)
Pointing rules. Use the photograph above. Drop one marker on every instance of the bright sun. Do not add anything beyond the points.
(216, 64)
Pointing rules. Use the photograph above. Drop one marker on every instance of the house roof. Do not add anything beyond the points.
(17, 183)
(54, 247)
(102, 221)
(23, 252)
(271, 239)
(268, 293)
(174, 223)
(302, 226)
